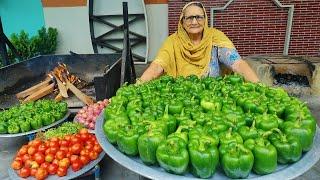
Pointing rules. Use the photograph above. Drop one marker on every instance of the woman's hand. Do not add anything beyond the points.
(152, 72)
(243, 68)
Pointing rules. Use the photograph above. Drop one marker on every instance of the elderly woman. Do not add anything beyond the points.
(196, 49)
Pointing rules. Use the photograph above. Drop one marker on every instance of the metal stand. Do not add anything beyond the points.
(128, 73)
(120, 72)
(106, 40)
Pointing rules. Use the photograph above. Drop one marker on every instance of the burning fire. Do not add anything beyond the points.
(63, 74)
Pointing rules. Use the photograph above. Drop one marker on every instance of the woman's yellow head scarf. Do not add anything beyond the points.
(180, 57)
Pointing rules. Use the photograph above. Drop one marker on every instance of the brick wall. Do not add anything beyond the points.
(259, 26)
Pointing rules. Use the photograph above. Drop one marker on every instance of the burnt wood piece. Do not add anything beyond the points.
(40, 93)
(83, 97)
(33, 89)
(62, 88)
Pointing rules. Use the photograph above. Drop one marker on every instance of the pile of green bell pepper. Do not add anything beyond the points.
(197, 124)
(31, 116)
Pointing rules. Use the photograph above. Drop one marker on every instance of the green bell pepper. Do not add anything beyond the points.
(35, 122)
(3, 128)
(211, 104)
(276, 107)
(199, 132)
(248, 132)
(111, 128)
(147, 146)
(173, 155)
(229, 136)
(25, 126)
(175, 107)
(127, 140)
(235, 120)
(234, 79)
(265, 155)
(204, 156)
(13, 128)
(181, 132)
(288, 147)
(169, 120)
(236, 160)
(266, 121)
(300, 131)
(216, 126)
(47, 119)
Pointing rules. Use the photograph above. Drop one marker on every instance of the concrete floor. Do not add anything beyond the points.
(113, 170)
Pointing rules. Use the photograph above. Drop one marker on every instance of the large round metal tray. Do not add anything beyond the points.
(70, 175)
(155, 172)
(37, 130)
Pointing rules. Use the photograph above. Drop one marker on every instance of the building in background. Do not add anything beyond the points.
(260, 26)
(256, 27)
(71, 18)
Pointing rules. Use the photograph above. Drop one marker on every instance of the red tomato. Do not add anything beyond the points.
(23, 150)
(67, 137)
(45, 165)
(65, 162)
(75, 140)
(33, 172)
(32, 150)
(42, 148)
(47, 151)
(77, 135)
(39, 157)
(89, 142)
(54, 144)
(16, 165)
(28, 163)
(55, 161)
(68, 154)
(60, 155)
(36, 143)
(18, 158)
(41, 173)
(89, 147)
(76, 148)
(97, 148)
(76, 166)
(47, 143)
(64, 148)
(84, 152)
(83, 131)
(24, 172)
(93, 138)
(34, 165)
(73, 158)
(64, 143)
(93, 155)
(26, 157)
(85, 159)
(84, 137)
(49, 158)
(62, 171)
(52, 169)
(54, 139)
(53, 150)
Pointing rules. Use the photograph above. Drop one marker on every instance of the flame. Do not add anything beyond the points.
(63, 74)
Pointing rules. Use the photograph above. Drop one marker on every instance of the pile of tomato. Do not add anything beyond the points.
(54, 156)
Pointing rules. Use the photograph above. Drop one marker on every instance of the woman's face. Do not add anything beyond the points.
(193, 20)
